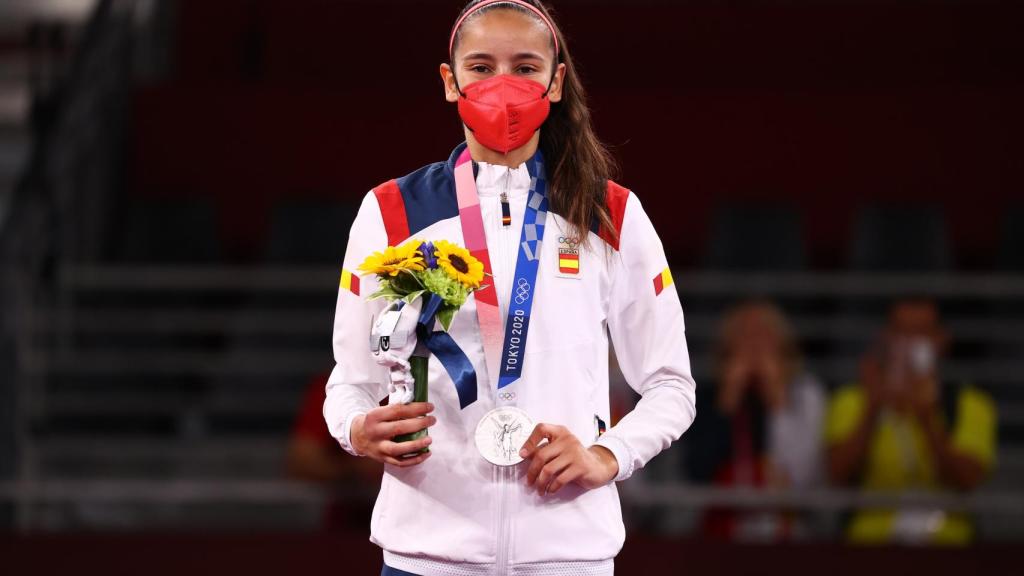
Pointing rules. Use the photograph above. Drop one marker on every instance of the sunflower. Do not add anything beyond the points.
(394, 259)
(458, 263)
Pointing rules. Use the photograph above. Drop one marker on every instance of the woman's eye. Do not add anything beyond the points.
(479, 68)
(527, 70)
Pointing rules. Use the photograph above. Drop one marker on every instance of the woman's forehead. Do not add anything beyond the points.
(504, 34)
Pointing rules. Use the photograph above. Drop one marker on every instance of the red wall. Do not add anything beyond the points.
(825, 105)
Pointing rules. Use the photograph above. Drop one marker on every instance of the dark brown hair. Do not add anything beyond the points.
(578, 163)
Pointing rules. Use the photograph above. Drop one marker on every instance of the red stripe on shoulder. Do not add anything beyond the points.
(615, 199)
(392, 208)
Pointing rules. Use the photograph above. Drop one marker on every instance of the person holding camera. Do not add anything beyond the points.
(899, 428)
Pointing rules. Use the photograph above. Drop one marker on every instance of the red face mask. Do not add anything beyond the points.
(504, 111)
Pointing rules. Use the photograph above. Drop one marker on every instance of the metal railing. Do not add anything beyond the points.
(660, 495)
(56, 330)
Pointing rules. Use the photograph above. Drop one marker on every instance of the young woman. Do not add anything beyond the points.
(573, 259)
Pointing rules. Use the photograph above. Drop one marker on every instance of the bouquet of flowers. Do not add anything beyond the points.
(422, 281)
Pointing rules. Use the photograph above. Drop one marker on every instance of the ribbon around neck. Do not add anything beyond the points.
(443, 346)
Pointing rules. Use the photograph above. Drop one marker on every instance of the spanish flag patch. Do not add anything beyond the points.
(662, 281)
(568, 261)
(349, 281)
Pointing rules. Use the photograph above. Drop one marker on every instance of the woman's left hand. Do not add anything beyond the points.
(563, 459)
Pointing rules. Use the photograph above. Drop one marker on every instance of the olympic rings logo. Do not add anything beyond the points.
(522, 291)
(507, 395)
(572, 242)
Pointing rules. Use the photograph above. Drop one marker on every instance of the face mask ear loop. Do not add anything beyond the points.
(553, 74)
(551, 81)
(451, 64)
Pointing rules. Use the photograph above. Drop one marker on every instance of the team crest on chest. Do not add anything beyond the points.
(568, 257)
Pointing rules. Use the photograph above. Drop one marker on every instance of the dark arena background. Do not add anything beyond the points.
(177, 181)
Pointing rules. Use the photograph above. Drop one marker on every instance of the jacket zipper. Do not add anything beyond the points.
(503, 232)
(506, 214)
(504, 472)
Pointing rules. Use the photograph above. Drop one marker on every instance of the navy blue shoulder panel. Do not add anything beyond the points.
(429, 193)
(429, 196)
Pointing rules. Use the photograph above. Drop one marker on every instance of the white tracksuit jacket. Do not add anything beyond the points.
(457, 514)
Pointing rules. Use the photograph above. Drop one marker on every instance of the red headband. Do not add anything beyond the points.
(530, 7)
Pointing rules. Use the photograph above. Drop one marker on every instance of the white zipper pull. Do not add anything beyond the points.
(506, 213)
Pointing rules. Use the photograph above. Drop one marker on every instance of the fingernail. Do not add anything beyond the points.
(523, 453)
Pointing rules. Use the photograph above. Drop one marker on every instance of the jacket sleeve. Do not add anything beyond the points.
(645, 322)
(357, 384)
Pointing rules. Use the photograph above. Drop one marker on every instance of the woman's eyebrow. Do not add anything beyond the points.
(527, 56)
(517, 56)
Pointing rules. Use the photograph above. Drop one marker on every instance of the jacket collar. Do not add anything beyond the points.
(449, 166)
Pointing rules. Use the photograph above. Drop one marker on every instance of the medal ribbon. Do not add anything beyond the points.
(444, 348)
(510, 351)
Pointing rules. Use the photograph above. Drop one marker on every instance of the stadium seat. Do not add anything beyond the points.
(310, 231)
(1010, 256)
(756, 237)
(169, 231)
(900, 238)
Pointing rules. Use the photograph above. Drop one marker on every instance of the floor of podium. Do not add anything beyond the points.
(353, 554)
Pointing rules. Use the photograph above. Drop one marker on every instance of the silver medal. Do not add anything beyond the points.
(501, 433)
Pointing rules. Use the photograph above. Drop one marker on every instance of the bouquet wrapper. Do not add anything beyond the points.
(418, 366)
(440, 344)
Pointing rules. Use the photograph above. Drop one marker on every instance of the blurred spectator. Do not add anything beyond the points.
(899, 428)
(762, 426)
(315, 456)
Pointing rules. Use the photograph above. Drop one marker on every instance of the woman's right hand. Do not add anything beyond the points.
(372, 432)
(734, 383)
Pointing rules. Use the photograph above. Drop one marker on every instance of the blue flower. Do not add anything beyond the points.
(427, 249)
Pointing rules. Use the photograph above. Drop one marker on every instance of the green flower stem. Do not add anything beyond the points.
(418, 366)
